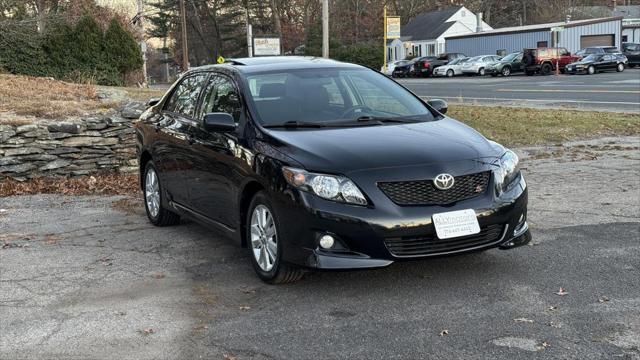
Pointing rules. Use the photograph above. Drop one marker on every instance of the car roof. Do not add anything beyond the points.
(275, 63)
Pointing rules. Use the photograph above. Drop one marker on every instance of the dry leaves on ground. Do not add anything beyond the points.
(522, 319)
(562, 292)
(444, 333)
(104, 184)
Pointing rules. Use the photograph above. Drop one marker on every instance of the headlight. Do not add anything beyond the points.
(330, 187)
(508, 168)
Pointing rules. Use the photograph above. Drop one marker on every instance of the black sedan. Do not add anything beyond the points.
(598, 62)
(312, 163)
(404, 70)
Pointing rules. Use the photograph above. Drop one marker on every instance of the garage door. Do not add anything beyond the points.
(596, 40)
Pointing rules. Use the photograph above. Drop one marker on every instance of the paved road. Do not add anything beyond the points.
(603, 92)
(89, 278)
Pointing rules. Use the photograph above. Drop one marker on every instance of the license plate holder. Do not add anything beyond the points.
(456, 223)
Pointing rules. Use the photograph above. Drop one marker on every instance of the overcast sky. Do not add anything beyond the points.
(128, 6)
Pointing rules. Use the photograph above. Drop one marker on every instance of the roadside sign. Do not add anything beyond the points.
(266, 46)
(393, 27)
(220, 60)
(557, 29)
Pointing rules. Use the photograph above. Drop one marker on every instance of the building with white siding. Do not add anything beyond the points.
(573, 35)
(425, 34)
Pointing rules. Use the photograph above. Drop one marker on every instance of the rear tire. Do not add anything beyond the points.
(154, 198)
(591, 70)
(545, 69)
(506, 71)
(263, 239)
(620, 67)
(482, 72)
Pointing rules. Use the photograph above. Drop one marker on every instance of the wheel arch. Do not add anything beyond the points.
(249, 190)
(145, 157)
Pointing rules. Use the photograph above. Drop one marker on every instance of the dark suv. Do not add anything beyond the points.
(632, 52)
(545, 60)
(313, 163)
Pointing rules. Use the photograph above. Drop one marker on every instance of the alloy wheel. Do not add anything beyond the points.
(264, 239)
(506, 71)
(620, 67)
(450, 73)
(481, 72)
(591, 70)
(152, 192)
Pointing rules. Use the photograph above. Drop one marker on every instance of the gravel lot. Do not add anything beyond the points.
(89, 277)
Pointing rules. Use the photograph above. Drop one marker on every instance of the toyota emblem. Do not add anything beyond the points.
(443, 182)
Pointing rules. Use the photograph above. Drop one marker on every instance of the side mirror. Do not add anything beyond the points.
(219, 122)
(440, 105)
(153, 102)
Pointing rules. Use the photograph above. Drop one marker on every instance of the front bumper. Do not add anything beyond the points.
(366, 235)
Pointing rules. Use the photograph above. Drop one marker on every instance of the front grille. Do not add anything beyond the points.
(431, 245)
(423, 192)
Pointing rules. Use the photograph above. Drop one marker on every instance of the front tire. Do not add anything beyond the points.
(506, 71)
(481, 72)
(153, 198)
(620, 67)
(591, 70)
(265, 243)
(450, 73)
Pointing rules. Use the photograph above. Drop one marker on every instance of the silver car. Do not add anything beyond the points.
(478, 64)
(453, 68)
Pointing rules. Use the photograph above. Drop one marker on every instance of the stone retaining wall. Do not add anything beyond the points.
(101, 143)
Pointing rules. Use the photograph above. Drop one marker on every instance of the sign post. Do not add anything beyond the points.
(555, 36)
(391, 31)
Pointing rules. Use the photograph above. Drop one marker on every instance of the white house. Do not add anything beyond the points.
(425, 34)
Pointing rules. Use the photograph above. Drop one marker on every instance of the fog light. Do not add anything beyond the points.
(327, 241)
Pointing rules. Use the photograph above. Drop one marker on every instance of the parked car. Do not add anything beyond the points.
(632, 52)
(426, 65)
(477, 65)
(453, 68)
(508, 65)
(545, 60)
(403, 70)
(598, 62)
(392, 65)
(290, 158)
(597, 50)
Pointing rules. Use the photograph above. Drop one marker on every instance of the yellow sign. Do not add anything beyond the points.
(393, 27)
(220, 60)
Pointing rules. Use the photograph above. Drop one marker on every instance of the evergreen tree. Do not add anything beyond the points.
(121, 51)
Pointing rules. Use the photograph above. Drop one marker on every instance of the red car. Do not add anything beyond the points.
(545, 60)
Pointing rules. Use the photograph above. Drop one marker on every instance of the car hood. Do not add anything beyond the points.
(344, 150)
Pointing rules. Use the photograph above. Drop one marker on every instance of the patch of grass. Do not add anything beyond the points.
(520, 126)
(105, 184)
(46, 98)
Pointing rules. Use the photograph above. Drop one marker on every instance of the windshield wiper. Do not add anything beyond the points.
(296, 124)
(385, 120)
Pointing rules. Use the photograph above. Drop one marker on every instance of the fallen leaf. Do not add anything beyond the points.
(562, 292)
(249, 291)
(147, 331)
(523, 320)
(229, 357)
(545, 344)
(603, 299)
(159, 275)
(245, 307)
(2, 211)
(554, 324)
(444, 333)
(121, 313)
(552, 308)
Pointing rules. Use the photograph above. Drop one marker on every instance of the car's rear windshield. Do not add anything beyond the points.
(331, 96)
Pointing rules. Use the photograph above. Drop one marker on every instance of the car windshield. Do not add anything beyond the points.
(332, 97)
(474, 59)
(611, 50)
(510, 57)
(456, 61)
(593, 51)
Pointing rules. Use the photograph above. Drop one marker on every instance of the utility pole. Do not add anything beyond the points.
(143, 44)
(249, 36)
(325, 29)
(384, 39)
(185, 48)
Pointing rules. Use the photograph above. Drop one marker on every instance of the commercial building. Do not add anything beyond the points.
(425, 34)
(572, 35)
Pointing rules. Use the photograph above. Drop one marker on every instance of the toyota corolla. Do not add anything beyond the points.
(317, 164)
